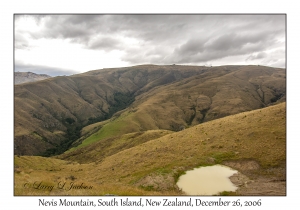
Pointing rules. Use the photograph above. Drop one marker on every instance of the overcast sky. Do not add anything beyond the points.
(68, 44)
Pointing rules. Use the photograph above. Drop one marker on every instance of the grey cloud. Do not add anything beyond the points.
(181, 38)
(257, 56)
(228, 44)
(63, 27)
(226, 36)
(81, 28)
(137, 56)
(104, 43)
(275, 58)
(21, 42)
(280, 63)
(192, 46)
(75, 27)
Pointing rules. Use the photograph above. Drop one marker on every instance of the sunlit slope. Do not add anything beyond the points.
(258, 134)
(152, 167)
(109, 146)
(216, 93)
(35, 175)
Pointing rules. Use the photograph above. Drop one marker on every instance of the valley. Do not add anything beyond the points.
(50, 114)
(256, 147)
(135, 130)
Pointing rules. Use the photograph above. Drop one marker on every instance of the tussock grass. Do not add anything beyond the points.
(166, 97)
(260, 136)
(99, 150)
(45, 105)
(217, 93)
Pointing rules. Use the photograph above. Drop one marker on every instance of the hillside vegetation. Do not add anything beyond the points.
(51, 115)
(219, 92)
(253, 142)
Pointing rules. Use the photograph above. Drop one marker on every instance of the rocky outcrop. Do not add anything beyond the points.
(23, 77)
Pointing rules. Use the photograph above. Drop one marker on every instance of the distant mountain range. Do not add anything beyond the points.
(23, 77)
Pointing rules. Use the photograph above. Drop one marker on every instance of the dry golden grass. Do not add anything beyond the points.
(166, 97)
(44, 106)
(106, 147)
(258, 135)
(220, 92)
(53, 173)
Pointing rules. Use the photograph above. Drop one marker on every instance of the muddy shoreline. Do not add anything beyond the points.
(253, 180)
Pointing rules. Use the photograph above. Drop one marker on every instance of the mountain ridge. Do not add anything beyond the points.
(50, 114)
(24, 77)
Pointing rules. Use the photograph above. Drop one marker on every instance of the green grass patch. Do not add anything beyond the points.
(163, 171)
(147, 188)
(178, 174)
(36, 135)
(221, 156)
(111, 129)
(227, 193)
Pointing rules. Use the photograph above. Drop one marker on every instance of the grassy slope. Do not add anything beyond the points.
(166, 97)
(46, 107)
(258, 135)
(109, 146)
(219, 92)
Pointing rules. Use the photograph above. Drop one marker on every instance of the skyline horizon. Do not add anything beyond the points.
(65, 44)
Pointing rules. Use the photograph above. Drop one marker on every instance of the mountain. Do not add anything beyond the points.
(51, 115)
(23, 77)
(150, 162)
(217, 92)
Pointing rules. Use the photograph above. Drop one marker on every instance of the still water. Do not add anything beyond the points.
(209, 180)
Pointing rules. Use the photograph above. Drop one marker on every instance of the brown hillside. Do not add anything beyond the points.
(216, 93)
(49, 114)
(213, 95)
(254, 143)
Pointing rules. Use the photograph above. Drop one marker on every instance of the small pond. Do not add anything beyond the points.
(209, 180)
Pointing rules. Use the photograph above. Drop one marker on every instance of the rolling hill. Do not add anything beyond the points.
(252, 142)
(51, 115)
